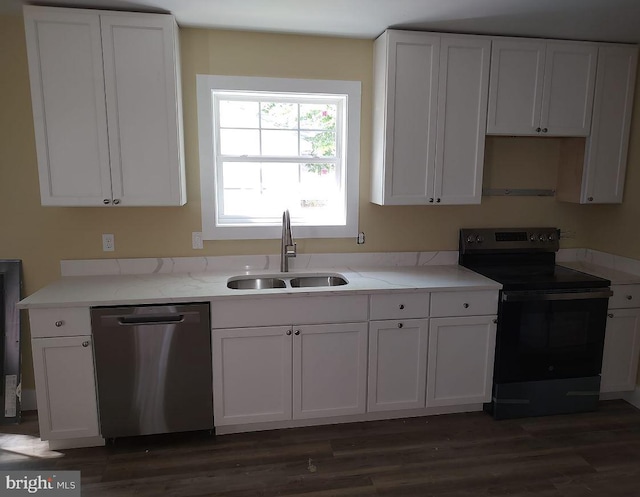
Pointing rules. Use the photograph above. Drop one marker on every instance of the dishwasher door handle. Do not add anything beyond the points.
(150, 320)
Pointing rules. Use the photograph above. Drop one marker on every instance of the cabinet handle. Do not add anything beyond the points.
(59, 324)
(544, 130)
(401, 306)
(400, 325)
(297, 332)
(590, 199)
(465, 305)
(538, 130)
(116, 201)
(288, 332)
(437, 201)
(431, 200)
(106, 201)
(495, 321)
(85, 343)
(610, 314)
(629, 297)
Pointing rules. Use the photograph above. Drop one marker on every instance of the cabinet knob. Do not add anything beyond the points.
(610, 314)
(288, 332)
(401, 306)
(116, 201)
(538, 130)
(629, 297)
(297, 332)
(465, 305)
(59, 324)
(85, 343)
(431, 201)
(437, 201)
(400, 325)
(590, 199)
(106, 201)
(544, 130)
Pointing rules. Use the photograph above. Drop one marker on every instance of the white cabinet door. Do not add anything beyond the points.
(567, 95)
(460, 362)
(606, 149)
(67, 95)
(405, 107)
(251, 375)
(143, 106)
(65, 387)
(329, 370)
(397, 364)
(621, 349)
(515, 88)
(541, 88)
(462, 118)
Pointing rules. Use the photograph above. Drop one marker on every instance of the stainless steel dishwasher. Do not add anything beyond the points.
(153, 368)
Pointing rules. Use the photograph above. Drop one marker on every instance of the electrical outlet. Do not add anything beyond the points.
(196, 240)
(108, 242)
(360, 239)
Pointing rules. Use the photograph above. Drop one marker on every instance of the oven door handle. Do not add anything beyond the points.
(531, 297)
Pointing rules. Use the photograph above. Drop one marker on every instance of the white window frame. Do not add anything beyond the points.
(206, 84)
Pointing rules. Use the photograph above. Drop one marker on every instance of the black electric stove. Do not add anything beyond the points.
(551, 322)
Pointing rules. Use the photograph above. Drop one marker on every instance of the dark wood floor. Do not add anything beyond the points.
(594, 454)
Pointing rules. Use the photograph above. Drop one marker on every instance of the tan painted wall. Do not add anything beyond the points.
(42, 236)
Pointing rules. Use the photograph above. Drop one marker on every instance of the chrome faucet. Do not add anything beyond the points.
(287, 246)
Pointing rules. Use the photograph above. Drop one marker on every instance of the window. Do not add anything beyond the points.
(270, 144)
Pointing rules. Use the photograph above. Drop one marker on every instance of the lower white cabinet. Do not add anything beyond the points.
(278, 373)
(460, 360)
(65, 387)
(621, 350)
(397, 364)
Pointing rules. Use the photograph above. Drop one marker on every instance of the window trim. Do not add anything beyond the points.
(205, 84)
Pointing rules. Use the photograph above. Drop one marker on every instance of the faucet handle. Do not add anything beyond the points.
(291, 250)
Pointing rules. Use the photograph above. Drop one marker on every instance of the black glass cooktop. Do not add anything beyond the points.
(539, 277)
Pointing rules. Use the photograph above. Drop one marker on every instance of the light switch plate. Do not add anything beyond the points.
(196, 240)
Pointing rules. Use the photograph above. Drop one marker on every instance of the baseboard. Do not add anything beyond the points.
(633, 398)
(28, 400)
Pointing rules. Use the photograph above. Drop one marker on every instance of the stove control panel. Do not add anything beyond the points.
(509, 240)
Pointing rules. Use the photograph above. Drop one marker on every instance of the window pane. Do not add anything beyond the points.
(318, 143)
(235, 114)
(284, 143)
(279, 115)
(239, 142)
(318, 116)
(240, 203)
(241, 175)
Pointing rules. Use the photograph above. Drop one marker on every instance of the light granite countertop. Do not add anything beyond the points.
(616, 276)
(82, 291)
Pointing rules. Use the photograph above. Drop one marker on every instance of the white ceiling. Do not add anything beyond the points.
(598, 20)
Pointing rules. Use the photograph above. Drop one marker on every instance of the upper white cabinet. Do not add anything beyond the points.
(430, 102)
(541, 88)
(598, 177)
(106, 99)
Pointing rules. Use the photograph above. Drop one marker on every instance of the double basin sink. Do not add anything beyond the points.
(285, 281)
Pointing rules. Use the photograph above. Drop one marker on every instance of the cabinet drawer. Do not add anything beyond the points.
(464, 303)
(399, 306)
(72, 321)
(624, 296)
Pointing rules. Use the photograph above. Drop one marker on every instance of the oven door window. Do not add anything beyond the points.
(540, 340)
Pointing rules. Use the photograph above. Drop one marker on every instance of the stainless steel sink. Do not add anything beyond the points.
(307, 281)
(251, 283)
